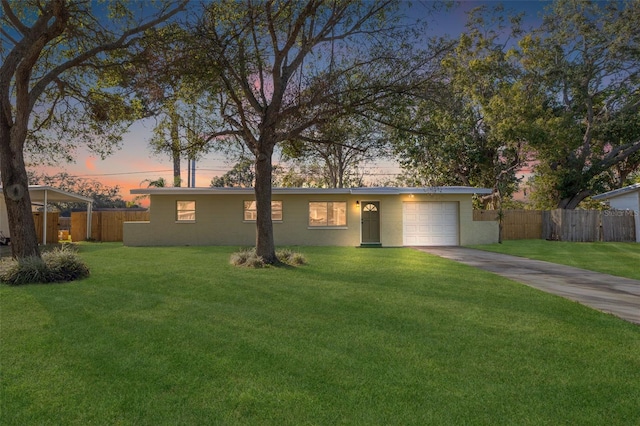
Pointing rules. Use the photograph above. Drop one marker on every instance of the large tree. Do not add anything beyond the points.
(585, 59)
(474, 127)
(340, 148)
(241, 175)
(180, 112)
(179, 133)
(286, 66)
(58, 58)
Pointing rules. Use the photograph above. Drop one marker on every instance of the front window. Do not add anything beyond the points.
(328, 213)
(185, 211)
(251, 212)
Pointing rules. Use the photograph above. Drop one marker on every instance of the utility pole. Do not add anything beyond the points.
(193, 173)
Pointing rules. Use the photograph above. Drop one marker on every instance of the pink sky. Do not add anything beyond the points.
(134, 163)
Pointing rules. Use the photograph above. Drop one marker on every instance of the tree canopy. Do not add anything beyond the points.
(563, 98)
(585, 60)
(338, 150)
(59, 87)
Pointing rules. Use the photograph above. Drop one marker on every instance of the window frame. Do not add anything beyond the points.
(245, 210)
(185, 210)
(327, 225)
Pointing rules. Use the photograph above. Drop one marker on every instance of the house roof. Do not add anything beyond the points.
(53, 195)
(617, 192)
(311, 191)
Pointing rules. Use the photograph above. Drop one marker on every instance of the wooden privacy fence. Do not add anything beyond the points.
(516, 224)
(589, 225)
(564, 225)
(105, 225)
(52, 226)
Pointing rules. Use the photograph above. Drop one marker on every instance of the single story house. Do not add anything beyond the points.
(41, 196)
(389, 217)
(627, 198)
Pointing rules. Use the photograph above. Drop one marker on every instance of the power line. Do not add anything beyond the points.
(379, 173)
(125, 173)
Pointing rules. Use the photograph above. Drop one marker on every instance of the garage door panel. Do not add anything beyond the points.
(411, 229)
(430, 223)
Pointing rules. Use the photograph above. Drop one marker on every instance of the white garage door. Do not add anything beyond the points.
(430, 224)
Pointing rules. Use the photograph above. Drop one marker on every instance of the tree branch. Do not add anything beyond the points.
(119, 43)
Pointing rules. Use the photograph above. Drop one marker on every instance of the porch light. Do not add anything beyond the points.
(357, 203)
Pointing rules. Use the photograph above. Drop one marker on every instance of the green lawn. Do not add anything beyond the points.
(167, 336)
(622, 259)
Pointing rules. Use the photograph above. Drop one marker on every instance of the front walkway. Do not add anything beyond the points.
(616, 295)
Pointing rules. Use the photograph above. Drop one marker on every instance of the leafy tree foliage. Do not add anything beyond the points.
(176, 134)
(585, 60)
(241, 175)
(339, 148)
(156, 183)
(567, 95)
(60, 61)
(470, 130)
(161, 79)
(299, 175)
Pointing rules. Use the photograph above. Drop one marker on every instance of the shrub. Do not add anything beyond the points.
(298, 259)
(65, 265)
(59, 265)
(290, 257)
(25, 271)
(247, 257)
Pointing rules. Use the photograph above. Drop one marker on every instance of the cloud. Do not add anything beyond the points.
(90, 163)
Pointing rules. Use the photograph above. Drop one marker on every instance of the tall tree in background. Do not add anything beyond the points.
(179, 132)
(339, 148)
(287, 66)
(58, 59)
(241, 175)
(585, 58)
(475, 127)
(299, 175)
(159, 79)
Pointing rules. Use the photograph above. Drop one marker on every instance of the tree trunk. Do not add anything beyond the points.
(175, 147)
(265, 245)
(15, 187)
(177, 180)
(571, 203)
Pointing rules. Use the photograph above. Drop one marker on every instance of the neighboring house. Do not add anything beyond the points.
(627, 198)
(41, 196)
(389, 217)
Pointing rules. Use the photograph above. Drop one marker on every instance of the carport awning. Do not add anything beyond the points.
(42, 194)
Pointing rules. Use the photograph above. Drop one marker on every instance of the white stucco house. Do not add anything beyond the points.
(627, 198)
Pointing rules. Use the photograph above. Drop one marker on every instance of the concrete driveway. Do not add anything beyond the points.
(607, 293)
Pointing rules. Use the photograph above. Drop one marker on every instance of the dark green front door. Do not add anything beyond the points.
(370, 219)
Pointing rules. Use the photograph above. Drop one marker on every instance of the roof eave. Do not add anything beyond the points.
(312, 191)
(617, 192)
(69, 196)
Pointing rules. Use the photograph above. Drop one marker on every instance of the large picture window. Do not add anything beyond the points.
(328, 213)
(250, 211)
(185, 211)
